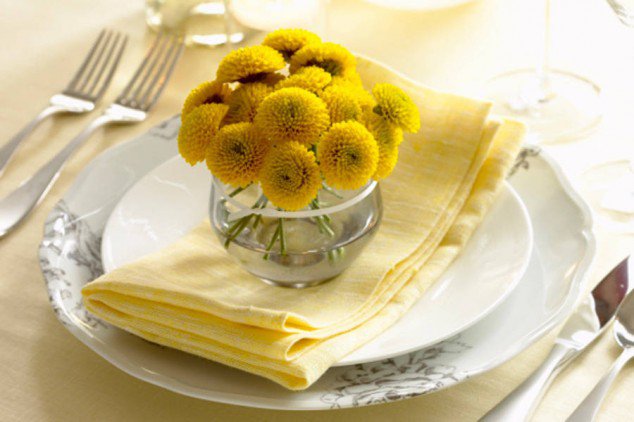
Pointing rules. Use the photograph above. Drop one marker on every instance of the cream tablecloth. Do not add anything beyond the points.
(48, 375)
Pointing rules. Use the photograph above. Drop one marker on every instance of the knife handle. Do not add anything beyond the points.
(520, 404)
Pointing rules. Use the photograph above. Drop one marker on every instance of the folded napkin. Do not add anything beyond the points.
(191, 295)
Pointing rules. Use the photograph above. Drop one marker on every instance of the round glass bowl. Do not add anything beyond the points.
(295, 249)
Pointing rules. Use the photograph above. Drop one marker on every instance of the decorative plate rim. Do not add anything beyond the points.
(120, 360)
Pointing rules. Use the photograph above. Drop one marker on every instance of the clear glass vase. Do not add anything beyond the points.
(295, 249)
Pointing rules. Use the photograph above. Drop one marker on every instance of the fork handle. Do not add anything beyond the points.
(18, 204)
(7, 150)
(520, 404)
(589, 407)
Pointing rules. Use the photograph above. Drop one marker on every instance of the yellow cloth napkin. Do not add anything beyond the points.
(191, 295)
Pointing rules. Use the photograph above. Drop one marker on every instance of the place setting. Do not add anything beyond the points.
(165, 207)
(315, 230)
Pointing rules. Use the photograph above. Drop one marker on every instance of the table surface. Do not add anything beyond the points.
(49, 375)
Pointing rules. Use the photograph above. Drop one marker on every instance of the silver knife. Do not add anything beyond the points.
(586, 323)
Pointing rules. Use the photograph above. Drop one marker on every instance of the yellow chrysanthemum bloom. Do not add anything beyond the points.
(331, 57)
(348, 155)
(236, 155)
(206, 93)
(292, 114)
(198, 129)
(249, 64)
(288, 41)
(290, 176)
(352, 76)
(342, 104)
(245, 100)
(388, 156)
(273, 78)
(396, 107)
(365, 99)
(383, 131)
(310, 78)
(388, 137)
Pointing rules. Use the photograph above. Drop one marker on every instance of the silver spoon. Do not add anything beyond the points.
(624, 334)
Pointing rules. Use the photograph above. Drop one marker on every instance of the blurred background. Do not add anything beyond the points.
(455, 49)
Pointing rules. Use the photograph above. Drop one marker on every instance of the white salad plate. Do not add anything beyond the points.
(173, 198)
(563, 249)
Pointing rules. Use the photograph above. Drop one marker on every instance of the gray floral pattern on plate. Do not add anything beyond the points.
(70, 257)
(395, 379)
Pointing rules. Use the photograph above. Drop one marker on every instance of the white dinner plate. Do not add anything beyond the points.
(173, 198)
(563, 250)
(70, 257)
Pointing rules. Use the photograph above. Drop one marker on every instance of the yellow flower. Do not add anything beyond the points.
(352, 76)
(273, 78)
(365, 99)
(383, 131)
(292, 114)
(348, 155)
(290, 176)
(310, 78)
(206, 93)
(396, 107)
(236, 155)
(245, 100)
(342, 104)
(288, 41)
(249, 64)
(331, 57)
(197, 131)
(388, 137)
(388, 156)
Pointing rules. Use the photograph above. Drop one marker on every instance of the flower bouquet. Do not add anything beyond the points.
(296, 147)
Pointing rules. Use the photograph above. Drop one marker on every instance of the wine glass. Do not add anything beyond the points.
(624, 9)
(610, 185)
(556, 105)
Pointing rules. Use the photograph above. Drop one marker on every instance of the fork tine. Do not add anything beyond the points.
(160, 51)
(89, 87)
(93, 66)
(162, 75)
(113, 67)
(146, 59)
(91, 53)
(166, 70)
(109, 66)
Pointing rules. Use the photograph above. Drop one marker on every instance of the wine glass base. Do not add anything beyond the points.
(609, 188)
(561, 107)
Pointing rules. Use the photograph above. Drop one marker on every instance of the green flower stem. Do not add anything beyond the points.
(322, 221)
(238, 190)
(239, 225)
(243, 222)
(258, 218)
(335, 255)
(276, 234)
(282, 237)
(331, 191)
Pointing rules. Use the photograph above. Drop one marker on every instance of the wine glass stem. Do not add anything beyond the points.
(543, 69)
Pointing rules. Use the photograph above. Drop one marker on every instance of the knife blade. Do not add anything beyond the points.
(587, 322)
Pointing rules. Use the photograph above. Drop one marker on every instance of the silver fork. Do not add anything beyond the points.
(83, 91)
(132, 106)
